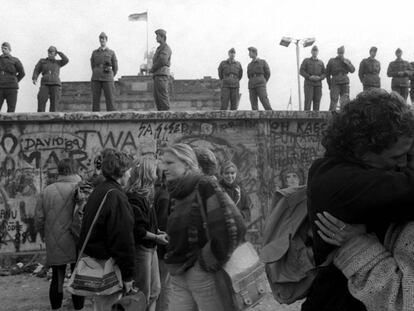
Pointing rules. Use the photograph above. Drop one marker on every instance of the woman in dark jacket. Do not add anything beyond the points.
(191, 257)
(112, 235)
(140, 194)
(236, 192)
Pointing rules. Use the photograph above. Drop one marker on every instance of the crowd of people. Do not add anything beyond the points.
(150, 224)
(359, 202)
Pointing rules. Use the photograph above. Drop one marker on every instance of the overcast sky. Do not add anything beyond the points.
(200, 32)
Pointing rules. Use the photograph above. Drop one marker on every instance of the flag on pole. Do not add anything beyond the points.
(289, 105)
(138, 17)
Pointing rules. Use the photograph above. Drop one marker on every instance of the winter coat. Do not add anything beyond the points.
(381, 276)
(402, 66)
(50, 70)
(354, 193)
(161, 61)
(282, 224)
(240, 198)
(53, 214)
(145, 219)
(112, 235)
(104, 65)
(188, 241)
(369, 71)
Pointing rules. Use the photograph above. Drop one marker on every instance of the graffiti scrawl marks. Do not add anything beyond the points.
(271, 149)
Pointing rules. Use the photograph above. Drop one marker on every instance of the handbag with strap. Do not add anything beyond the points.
(132, 301)
(95, 277)
(242, 281)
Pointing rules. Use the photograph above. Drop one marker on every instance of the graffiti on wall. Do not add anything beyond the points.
(270, 154)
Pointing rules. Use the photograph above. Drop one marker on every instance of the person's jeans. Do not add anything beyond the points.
(147, 274)
(162, 302)
(56, 289)
(194, 288)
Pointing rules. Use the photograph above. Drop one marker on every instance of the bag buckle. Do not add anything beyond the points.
(261, 288)
(246, 298)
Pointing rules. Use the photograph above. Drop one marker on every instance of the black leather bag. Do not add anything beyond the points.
(133, 301)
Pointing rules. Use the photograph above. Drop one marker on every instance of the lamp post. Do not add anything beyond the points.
(305, 42)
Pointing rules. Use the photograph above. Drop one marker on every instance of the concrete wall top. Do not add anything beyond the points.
(164, 115)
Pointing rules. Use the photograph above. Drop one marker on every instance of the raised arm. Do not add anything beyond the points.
(63, 59)
(376, 276)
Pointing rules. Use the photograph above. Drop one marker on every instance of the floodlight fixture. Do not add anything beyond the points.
(285, 41)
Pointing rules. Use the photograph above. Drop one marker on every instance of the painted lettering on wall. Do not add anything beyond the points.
(269, 153)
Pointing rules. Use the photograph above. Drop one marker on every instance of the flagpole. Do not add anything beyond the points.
(147, 46)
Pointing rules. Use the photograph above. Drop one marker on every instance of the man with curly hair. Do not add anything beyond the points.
(362, 179)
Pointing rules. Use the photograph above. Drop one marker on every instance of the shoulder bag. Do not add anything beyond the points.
(95, 277)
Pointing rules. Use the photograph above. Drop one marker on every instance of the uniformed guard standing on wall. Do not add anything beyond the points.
(400, 70)
(337, 77)
(369, 70)
(313, 70)
(160, 70)
(11, 72)
(104, 67)
(258, 72)
(50, 85)
(230, 73)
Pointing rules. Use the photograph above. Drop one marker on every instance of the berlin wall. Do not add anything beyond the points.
(266, 147)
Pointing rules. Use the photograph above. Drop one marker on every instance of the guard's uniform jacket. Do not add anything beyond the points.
(104, 65)
(50, 69)
(400, 65)
(312, 67)
(161, 61)
(369, 70)
(258, 72)
(230, 73)
(11, 72)
(337, 70)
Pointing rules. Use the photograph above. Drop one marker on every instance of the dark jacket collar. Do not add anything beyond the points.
(184, 186)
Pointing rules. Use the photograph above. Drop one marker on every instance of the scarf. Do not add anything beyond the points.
(183, 186)
(233, 190)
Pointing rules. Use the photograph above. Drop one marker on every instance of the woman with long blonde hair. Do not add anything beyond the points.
(202, 236)
(140, 192)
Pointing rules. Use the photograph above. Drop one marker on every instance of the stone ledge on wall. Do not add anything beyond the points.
(161, 115)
